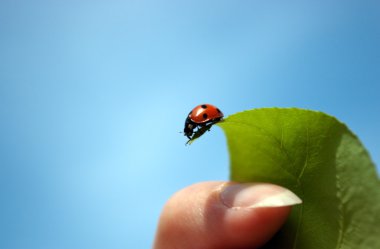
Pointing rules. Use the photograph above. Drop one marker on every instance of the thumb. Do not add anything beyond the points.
(212, 215)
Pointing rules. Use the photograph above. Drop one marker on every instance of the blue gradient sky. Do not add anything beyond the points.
(94, 93)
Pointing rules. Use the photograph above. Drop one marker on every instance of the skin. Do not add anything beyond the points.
(197, 217)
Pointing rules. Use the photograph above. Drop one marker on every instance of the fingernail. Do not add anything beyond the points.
(257, 195)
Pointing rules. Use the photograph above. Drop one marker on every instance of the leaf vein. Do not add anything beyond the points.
(306, 157)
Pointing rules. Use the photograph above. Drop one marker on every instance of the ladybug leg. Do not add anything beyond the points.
(212, 122)
(203, 126)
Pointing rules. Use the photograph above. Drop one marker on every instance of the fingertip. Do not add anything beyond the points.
(223, 215)
(186, 221)
(253, 227)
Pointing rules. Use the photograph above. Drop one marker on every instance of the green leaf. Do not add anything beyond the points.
(323, 162)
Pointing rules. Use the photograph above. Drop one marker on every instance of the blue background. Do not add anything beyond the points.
(93, 95)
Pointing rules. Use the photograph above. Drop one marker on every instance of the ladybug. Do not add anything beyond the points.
(201, 116)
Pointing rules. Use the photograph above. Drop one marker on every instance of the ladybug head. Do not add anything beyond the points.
(189, 128)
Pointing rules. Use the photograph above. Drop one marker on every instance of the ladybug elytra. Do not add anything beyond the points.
(201, 116)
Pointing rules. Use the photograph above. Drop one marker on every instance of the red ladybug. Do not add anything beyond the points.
(201, 116)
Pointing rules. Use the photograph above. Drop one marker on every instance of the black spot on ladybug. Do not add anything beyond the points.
(205, 115)
(218, 110)
(204, 106)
